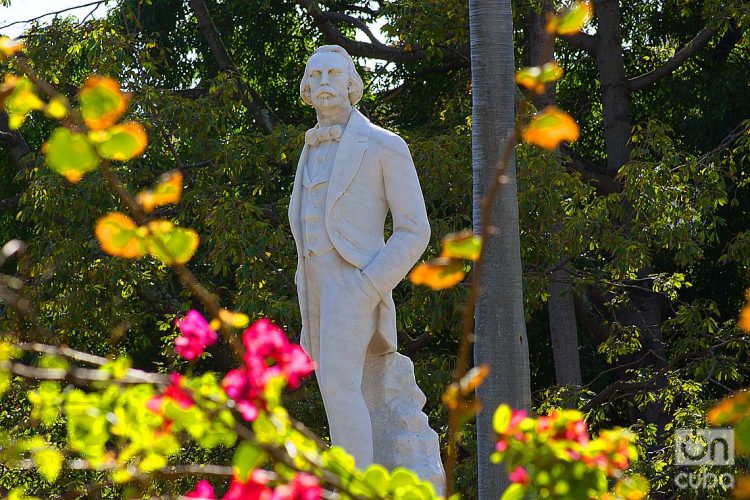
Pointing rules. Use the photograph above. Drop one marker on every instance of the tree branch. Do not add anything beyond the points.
(590, 172)
(264, 115)
(54, 13)
(646, 79)
(582, 41)
(376, 49)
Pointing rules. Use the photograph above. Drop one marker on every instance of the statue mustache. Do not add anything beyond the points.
(326, 90)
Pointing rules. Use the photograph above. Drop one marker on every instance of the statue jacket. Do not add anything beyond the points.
(373, 173)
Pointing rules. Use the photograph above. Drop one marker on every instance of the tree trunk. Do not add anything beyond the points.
(615, 94)
(500, 331)
(560, 306)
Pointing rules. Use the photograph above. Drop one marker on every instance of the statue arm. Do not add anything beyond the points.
(411, 228)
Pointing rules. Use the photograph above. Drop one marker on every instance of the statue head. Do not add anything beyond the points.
(330, 78)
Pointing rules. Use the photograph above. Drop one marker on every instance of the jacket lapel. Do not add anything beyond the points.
(296, 199)
(348, 157)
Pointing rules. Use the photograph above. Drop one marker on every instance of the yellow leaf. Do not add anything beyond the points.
(571, 20)
(19, 98)
(57, 108)
(167, 190)
(235, 319)
(102, 102)
(121, 142)
(438, 274)
(550, 127)
(9, 47)
(69, 154)
(463, 245)
(117, 234)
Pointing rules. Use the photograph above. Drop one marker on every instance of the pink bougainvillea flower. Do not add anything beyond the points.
(203, 489)
(255, 488)
(196, 335)
(519, 475)
(269, 355)
(501, 445)
(301, 487)
(173, 392)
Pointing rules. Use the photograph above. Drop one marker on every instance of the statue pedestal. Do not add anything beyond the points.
(401, 433)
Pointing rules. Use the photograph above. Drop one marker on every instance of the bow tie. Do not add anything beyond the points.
(322, 134)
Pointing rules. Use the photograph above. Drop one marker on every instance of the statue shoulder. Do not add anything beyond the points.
(386, 141)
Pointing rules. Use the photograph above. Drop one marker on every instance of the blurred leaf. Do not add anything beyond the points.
(170, 244)
(463, 245)
(102, 102)
(118, 235)
(167, 190)
(438, 274)
(49, 461)
(536, 78)
(474, 378)
(57, 108)
(247, 458)
(70, 154)
(571, 20)
(121, 142)
(19, 98)
(9, 47)
(550, 127)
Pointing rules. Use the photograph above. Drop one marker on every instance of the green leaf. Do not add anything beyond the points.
(377, 478)
(170, 244)
(70, 154)
(463, 245)
(514, 492)
(19, 98)
(102, 102)
(246, 459)
(121, 142)
(49, 462)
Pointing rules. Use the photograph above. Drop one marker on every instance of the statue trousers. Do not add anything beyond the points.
(342, 319)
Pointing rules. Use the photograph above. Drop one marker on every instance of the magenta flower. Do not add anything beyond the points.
(301, 487)
(519, 475)
(196, 335)
(173, 392)
(255, 488)
(269, 355)
(202, 490)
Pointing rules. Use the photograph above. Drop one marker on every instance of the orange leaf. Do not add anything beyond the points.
(438, 274)
(536, 78)
(118, 235)
(742, 487)
(167, 190)
(102, 102)
(550, 127)
(731, 409)
(474, 378)
(744, 321)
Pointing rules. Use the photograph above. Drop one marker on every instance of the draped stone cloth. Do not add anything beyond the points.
(345, 291)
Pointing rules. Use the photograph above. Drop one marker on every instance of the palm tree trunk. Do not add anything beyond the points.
(500, 330)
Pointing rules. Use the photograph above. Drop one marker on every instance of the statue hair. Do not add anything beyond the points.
(356, 86)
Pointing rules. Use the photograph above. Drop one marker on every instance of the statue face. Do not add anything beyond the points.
(328, 78)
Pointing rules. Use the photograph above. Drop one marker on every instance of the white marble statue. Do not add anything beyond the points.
(350, 175)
